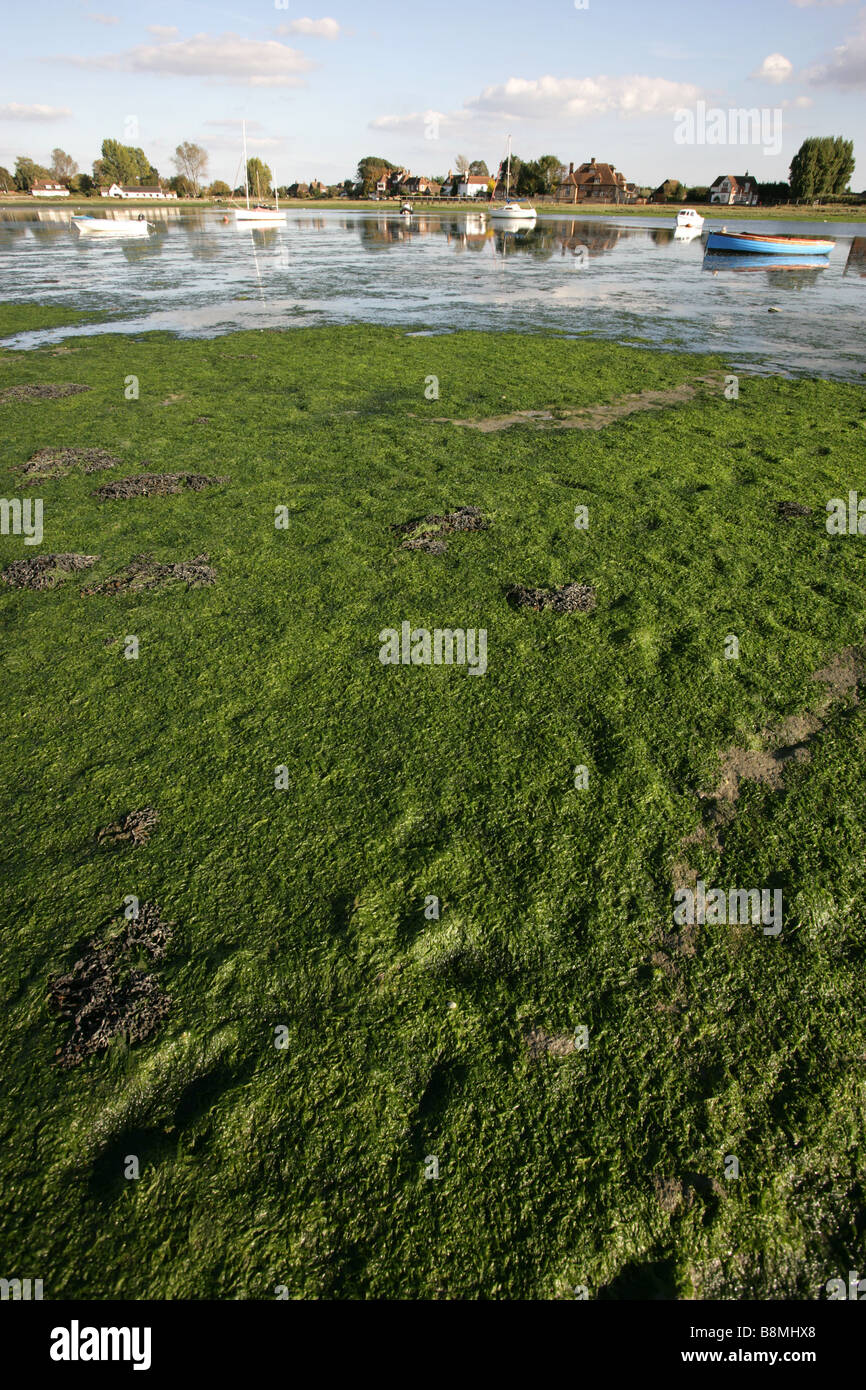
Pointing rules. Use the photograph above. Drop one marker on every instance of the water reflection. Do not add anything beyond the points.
(201, 272)
(785, 273)
(856, 263)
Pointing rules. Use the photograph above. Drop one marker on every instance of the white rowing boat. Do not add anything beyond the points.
(111, 226)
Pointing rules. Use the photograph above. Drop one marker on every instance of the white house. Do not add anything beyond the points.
(42, 189)
(149, 191)
(466, 185)
(472, 184)
(734, 188)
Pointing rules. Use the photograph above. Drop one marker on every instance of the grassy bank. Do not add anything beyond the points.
(21, 318)
(309, 908)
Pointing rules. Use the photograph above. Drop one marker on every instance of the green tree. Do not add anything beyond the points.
(478, 167)
(27, 172)
(182, 186)
(552, 172)
(804, 173)
(124, 164)
(841, 165)
(259, 177)
(671, 191)
(516, 163)
(63, 167)
(537, 177)
(83, 184)
(191, 163)
(7, 181)
(370, 169)
(218, 189)
(528, 180)
(774, 193)
(823, 165)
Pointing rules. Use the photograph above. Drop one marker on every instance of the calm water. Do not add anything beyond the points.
(623, 278)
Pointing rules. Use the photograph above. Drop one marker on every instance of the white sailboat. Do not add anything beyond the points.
(259, 216)
(511, 211)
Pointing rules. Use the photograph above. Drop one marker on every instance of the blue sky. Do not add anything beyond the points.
(421, 83)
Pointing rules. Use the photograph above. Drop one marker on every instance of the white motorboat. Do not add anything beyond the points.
(511, 211)
(406, 210)
(111, 226)
(261, 216)
(687, 217)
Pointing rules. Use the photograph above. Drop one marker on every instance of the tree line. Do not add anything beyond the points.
(126, 165)
(821, 169)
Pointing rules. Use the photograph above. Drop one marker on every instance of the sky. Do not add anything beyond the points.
(651, 88)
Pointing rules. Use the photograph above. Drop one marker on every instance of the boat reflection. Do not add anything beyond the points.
(787, 272)
(856, 262)
(687, 233)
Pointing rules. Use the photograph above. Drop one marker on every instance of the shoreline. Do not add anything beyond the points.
(830, 212)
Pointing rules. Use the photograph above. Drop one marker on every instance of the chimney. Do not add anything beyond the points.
(571, 167)
(592, 161)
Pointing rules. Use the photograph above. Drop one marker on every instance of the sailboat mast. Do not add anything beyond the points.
(508, 170)
(246, 169)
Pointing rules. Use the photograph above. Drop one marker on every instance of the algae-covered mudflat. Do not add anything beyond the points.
(332, 975)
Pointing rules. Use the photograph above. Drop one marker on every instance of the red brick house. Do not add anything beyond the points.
(595, 183)
(417, 184)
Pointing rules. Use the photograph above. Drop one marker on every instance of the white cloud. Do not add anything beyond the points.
(799, 103)
(416, 119)
(16, 112)
(163, 31)
(776, 68)
(226, 57)
(103, 18)
(563, 98)
(818, 4)
(314, 28)
(846, 66)
(556, 99)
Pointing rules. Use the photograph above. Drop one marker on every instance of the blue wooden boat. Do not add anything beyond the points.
(752, 243)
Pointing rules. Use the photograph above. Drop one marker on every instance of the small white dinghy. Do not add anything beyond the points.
(688, 218)
(112, 226)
